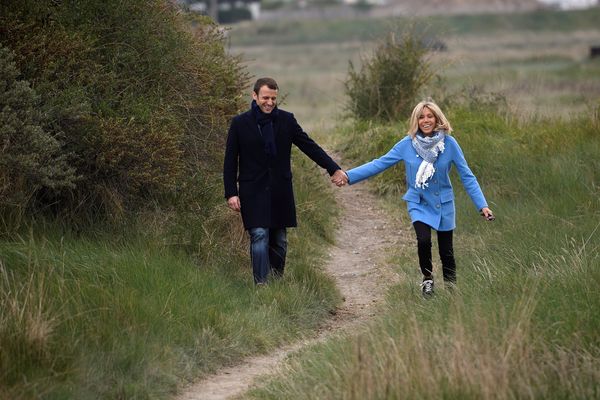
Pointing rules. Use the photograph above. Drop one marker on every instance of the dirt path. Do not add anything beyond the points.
(358, 265)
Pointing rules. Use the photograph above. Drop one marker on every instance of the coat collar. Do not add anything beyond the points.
(250, 122)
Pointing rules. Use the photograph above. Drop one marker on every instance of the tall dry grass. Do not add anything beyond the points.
(481, 342)
(108, 317)
(27, 322)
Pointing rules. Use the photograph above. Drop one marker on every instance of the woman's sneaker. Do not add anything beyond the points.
(427, 287)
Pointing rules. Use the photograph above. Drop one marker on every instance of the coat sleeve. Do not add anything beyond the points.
(311, 148)
(467, 177)
(230, 165)
(375, 166)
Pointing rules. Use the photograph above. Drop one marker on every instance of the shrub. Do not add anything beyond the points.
(29, 156)
(137, 95)
(386, 86)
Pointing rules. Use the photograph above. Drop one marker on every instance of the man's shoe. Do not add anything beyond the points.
(427, 287)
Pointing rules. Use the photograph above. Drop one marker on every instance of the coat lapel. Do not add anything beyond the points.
(251, 124)
(276, 125)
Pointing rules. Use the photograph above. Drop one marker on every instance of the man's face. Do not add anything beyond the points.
(266, 99)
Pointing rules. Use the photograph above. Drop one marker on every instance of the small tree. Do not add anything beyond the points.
(386, 86)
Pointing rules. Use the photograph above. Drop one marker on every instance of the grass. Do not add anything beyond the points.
(522, 322)
(127, 315)
(524, 103)
(120, 317)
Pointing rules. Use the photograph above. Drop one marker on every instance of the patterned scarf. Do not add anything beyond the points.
(428, 148)
(265, 127)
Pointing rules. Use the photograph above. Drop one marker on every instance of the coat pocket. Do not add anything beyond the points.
(446, 197)
(251, 185)
(413, 197)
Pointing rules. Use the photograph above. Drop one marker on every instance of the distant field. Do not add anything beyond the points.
(310, 77)
(343, 30)
(538, 61)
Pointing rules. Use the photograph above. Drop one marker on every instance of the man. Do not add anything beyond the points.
(259, 147)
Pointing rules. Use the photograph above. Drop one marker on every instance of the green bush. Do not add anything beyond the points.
(29, 156)
(386, 86)
(137, 95)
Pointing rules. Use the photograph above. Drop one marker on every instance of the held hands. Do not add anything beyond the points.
(339, 178)
(234, 203)
(486, 213)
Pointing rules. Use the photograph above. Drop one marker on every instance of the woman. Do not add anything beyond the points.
(428, 153)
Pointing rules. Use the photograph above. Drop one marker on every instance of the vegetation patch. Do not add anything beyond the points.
(386, 86)
(367, 29)
(134, 99)
(510, 329)
(122, 273)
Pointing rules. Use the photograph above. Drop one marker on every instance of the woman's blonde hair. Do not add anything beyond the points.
(441, 122)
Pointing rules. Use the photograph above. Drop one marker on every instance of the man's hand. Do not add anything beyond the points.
(234, 203)
(339, 178)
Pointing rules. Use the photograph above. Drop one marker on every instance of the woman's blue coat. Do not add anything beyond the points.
(433, 205)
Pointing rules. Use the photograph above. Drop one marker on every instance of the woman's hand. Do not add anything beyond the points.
(487, 214)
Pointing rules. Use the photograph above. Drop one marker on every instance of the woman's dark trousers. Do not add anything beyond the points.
(446, 251)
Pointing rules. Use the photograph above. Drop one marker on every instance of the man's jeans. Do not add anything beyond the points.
(267, 250)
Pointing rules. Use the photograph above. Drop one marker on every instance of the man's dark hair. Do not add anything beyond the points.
(268, 82)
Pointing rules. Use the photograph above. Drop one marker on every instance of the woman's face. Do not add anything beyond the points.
(427, 121)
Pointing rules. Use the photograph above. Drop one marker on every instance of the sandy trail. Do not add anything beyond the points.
(357, 263)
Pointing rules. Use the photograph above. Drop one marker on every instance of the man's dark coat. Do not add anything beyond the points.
(265, 183)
